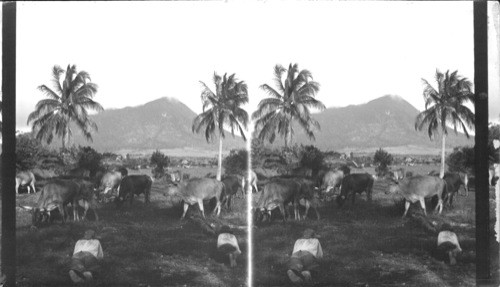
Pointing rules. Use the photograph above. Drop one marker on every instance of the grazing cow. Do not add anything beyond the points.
(25, 178)
(232, 184)
(86, 196)
(398, 174)
(453, 182)
(355, 183)
(196, 191)
(134, 184)
(278, 193)
(332, 179)
(110, 181)
(417, 188)
(55, 194)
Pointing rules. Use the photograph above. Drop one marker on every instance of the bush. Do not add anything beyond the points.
(27, 151)
(160, 161)
(383, 160)
(88, 158)
(236, 161)
(461, 159)
(312, 158)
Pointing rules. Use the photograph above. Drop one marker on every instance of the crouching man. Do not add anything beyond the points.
(86, 257)
(447, 244)
(227, 244)
(306, 252)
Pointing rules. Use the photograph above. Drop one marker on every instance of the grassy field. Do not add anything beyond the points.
(365, 244)
(368, 244)
(144, 245)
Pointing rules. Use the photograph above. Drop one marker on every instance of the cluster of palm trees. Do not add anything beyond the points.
(288, 103)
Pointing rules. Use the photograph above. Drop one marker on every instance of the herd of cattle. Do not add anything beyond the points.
(58, 195)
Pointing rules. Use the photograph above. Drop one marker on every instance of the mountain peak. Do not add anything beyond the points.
(164, 123)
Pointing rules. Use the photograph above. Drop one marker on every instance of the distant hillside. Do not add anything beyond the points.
(161, 124)
(385, 122)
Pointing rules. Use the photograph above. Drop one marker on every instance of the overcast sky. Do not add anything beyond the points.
(140, 51)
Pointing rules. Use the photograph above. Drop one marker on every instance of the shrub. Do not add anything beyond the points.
(27, 151)
(160, 161)
(236, 161)
(312, 158)
(383, 160)
(90, 159)
(461, 159)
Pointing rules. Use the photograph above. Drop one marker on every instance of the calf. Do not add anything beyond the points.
(355, 183)
(134, 184)
(417, 188)
(24, 178)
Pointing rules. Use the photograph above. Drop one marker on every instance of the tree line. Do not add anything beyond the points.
(290, 101)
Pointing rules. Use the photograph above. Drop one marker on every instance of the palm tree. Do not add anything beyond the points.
(290, 102)
(445, 106)
(68, 102)
(222, 109)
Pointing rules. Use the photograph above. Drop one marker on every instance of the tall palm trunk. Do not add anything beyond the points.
(443, 144)
(219, 164)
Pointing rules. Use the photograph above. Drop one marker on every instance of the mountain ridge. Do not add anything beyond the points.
(165, 124)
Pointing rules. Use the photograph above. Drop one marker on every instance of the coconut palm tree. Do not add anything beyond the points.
(445, 107)
(68, 102)
(222, 109)
(291, 101)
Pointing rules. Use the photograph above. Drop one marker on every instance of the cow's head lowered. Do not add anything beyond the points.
(393, 186)
(39, 215)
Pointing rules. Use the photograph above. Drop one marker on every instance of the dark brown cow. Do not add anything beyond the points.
(134, 185)
(309, 196)
(196, 191)
(232, 184)
(55, 194)
(24, 178)
(355, 183)
(417, 188)
(278, 193)
(454, 181)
